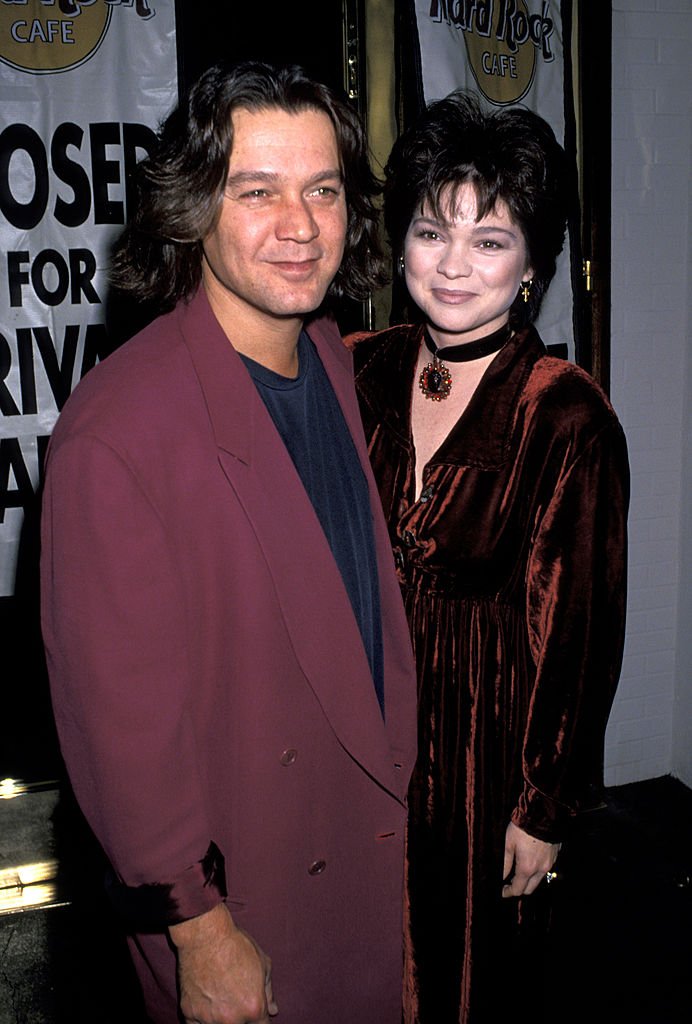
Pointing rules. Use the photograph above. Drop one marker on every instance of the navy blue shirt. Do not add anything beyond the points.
(309, 419)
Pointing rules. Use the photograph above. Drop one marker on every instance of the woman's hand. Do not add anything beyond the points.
(527, 860)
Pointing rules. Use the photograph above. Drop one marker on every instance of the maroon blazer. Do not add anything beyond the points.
(209, 680)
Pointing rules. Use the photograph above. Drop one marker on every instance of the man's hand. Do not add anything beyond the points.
(530, 858)
(224, 976)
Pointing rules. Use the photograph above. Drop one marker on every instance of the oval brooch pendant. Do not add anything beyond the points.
(435, 381)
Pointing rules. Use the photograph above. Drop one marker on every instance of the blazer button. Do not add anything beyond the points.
(288, 757)
(409, 538)
(426, 494)
(317, 867)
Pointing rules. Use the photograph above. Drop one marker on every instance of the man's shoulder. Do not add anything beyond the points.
(145, 374)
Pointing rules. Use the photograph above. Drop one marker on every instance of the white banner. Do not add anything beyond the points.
(510, 52)
(84, 84)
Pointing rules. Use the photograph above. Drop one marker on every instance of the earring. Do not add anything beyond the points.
(526, 289)
(401, 264)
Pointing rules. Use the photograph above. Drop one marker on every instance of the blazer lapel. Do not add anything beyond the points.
(314, 603)
(400, 682)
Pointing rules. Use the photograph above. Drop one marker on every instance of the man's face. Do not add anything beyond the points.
(279, 238)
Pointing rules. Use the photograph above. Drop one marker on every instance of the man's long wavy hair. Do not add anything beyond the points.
(508, 154)
(180, 187)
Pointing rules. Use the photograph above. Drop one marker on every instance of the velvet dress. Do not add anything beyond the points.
(512, 566)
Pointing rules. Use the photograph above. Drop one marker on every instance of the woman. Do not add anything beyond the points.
(503, 474)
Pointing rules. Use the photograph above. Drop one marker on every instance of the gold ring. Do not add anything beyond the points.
(550, 876)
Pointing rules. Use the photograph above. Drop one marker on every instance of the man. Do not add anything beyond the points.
(228, 655)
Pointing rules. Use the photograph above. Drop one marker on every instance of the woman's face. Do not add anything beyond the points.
(462, 273)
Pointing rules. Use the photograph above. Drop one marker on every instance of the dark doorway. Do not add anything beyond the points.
(299, 32)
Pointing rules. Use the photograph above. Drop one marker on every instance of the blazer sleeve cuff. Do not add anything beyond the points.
(156, 905)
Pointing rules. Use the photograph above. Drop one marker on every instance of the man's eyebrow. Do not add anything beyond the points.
(241, 178)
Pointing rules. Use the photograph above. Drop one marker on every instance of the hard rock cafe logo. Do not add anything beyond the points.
(503, 40)
(45, 37)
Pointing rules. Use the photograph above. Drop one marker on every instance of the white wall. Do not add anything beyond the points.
(650, 731)
(682, 705)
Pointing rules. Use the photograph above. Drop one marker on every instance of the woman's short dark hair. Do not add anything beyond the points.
(509, 154)
(158, 259)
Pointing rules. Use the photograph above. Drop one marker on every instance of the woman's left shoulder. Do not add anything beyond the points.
(565, 392)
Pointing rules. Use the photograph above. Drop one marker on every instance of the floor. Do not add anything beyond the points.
(65, 961)
(622, 923)
(620, 948)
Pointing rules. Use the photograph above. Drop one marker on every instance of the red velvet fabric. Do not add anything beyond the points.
(512, 566)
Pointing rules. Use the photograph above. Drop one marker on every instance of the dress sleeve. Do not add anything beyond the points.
(576, 588)
(114, 628)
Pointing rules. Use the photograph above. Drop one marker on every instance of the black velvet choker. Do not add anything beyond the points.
(435, 380)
